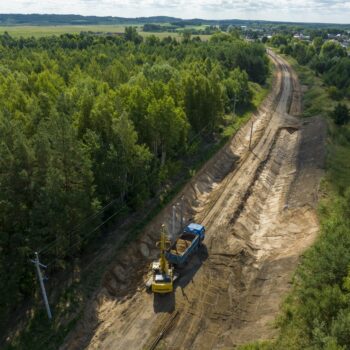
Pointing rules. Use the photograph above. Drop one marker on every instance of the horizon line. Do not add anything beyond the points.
(178, 18)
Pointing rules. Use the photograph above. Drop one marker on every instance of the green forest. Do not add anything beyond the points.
(327, 58)
(91, 124)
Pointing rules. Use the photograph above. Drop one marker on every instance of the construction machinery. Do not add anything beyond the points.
(186, 244)
(162, 273)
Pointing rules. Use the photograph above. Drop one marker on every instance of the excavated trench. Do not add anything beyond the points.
(259, 219)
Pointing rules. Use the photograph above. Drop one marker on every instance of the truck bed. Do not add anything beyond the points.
(182, 243)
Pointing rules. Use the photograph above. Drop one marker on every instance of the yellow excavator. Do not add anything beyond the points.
(162, 273)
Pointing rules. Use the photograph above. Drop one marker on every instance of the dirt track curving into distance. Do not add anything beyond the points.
(258, 205)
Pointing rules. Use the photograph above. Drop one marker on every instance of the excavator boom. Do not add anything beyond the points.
(162, 273)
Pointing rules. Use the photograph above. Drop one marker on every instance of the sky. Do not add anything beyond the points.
(329, 11)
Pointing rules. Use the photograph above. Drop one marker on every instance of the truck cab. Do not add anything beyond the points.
(197, 229)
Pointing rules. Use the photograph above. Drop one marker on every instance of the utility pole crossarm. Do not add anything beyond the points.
(40, 264)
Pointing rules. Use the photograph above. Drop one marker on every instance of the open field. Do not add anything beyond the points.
(43, 31)
(39, 31)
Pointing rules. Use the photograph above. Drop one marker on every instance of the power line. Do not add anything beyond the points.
(83, 237)
(89, 233)
(48, 246)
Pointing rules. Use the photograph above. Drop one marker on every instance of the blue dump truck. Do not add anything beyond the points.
(187, 243)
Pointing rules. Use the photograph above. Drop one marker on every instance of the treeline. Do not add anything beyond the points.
(158, 28)
(180, 27)
(91, 122)
(52, 19)
(327, 58)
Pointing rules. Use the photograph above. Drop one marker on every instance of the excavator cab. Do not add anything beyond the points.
(162, 273)
(162, 281)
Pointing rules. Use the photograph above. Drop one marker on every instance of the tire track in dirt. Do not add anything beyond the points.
(254, 254)
(238, 191)
(228, 293)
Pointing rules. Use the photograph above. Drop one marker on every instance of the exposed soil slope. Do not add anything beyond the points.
(258, 206)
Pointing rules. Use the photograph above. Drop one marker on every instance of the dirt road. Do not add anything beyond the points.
(257, 199)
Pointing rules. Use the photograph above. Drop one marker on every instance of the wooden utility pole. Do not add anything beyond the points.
(173, 233)
(251, 134)
(182, 213)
